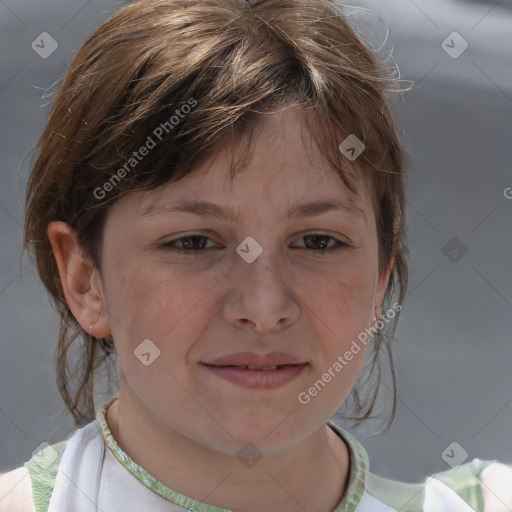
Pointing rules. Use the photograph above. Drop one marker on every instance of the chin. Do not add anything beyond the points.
(269, 433)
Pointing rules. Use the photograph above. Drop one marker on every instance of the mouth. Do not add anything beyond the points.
(249, 367)
(257, 361)
(255, 376)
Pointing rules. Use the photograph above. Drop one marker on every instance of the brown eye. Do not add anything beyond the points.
(320, 243)
(317, 243)
(190, 244)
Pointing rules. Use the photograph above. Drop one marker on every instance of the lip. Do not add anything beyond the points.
(233, 369)
(259, 379)
(253, 359)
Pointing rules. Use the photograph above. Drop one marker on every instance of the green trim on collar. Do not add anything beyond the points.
(355, 490)
(406, 497)
(143, 476)
(410, 497)
(42, 468)
(465, 481)
(359, 466)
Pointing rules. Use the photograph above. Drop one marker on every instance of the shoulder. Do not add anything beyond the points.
(29, 488)
(485, 485)
(16, 491)
(480, 486)
(497, 487)
(477, 485)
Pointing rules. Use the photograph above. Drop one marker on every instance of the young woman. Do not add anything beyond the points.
(218, 204)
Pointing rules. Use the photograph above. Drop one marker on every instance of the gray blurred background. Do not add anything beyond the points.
(453, 342)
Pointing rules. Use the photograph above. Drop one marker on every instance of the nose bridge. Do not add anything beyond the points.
(257, 258)
(259, 272)
(259, 292)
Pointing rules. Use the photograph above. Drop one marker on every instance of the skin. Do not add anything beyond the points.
(178, 420)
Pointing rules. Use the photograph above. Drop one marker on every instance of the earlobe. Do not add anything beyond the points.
(80, 280)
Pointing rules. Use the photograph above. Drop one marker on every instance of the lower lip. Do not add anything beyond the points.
(262, 379)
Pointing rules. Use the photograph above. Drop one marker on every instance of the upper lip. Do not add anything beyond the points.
(252, 359)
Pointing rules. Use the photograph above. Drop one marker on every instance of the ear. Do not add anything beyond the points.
(383, 280)
(81, 280)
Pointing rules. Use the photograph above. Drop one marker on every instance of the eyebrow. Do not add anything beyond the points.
(301, 210)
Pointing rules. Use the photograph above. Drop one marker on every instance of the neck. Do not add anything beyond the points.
(313, 475)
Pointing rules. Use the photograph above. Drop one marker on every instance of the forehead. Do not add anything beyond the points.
(284, 166)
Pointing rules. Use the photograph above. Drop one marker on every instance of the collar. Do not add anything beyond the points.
(356, 485)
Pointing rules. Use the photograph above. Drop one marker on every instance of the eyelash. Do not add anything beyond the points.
(196, 252)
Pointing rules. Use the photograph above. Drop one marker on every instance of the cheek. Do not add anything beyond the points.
(340, 305)
(166, 305)
(344, 292)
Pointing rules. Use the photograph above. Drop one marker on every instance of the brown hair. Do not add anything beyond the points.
(232, 62)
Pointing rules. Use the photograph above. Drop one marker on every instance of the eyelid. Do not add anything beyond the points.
(337, 236)
(340, 244)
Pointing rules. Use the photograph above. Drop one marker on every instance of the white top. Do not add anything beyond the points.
(101, 479)
(90, 472)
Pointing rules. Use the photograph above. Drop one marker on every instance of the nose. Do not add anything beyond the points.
(260, 295)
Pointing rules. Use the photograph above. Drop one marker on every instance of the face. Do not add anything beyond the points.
(211, 294)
